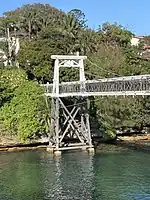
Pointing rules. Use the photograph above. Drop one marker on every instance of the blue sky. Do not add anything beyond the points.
(132, 14)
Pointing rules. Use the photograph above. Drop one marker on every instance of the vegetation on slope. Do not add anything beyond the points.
(43, 31)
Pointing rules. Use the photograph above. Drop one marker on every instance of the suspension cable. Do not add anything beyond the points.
(109, 72)
(91, 74)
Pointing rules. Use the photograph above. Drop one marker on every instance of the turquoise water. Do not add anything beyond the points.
(36, 175)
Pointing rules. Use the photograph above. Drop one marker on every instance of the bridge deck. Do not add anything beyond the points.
(129, 85)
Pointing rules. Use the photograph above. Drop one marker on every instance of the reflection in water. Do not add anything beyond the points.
(57, 191)
(37, 175)
(72, 177)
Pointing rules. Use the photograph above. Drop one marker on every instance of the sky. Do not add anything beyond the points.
(132, 14)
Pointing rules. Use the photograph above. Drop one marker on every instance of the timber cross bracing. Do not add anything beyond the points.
(73, 123)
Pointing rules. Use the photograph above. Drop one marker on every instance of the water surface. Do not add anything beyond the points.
(113, 175)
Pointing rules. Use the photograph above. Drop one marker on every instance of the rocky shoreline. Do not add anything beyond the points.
(12, 144)
(136, 142)
(22, 147)
(139, 142)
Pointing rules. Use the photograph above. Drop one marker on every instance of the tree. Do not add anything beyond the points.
(31, 19)
(35, 57)
(115, 34)
(79, 16)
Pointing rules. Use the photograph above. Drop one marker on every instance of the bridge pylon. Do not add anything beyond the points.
(70, 126)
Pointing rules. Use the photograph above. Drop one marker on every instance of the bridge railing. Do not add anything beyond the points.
(139, 85)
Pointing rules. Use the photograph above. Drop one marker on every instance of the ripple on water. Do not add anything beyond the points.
(30, 175)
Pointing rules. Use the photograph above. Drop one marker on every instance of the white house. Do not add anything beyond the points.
(14, 46)
(135, 40)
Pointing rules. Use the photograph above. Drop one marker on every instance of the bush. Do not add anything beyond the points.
(24, 114)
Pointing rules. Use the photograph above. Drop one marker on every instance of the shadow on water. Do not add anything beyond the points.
(106, 175)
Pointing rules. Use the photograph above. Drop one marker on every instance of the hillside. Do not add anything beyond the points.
(42, 31)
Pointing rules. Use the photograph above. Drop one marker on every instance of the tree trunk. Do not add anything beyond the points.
(29, 25)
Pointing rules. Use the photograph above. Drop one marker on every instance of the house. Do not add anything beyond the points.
(136, 40)
(13, 49)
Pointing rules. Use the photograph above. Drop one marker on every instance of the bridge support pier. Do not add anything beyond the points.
(70, 126)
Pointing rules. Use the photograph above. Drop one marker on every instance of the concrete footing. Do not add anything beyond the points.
(91, 150)
(84, 148)
(50, 149)
(57, 153)
(53, 151)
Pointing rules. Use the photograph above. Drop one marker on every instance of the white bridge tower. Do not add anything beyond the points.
(70, 126)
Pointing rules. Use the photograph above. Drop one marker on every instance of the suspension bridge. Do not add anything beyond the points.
(73, 123)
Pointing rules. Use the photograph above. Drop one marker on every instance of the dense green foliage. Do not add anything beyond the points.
(43, 31)
(23, 112)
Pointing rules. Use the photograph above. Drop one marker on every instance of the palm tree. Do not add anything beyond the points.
(88, 41)
(70, 29)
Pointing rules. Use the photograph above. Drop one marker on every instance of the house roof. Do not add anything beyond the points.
(139, 37)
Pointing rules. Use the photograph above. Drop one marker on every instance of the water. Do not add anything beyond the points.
(35, 175)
